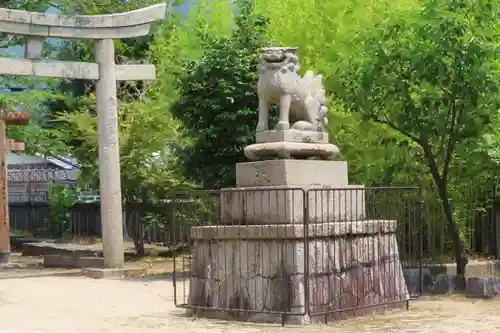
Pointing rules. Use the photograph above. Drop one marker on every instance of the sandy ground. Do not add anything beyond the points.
(61, 304)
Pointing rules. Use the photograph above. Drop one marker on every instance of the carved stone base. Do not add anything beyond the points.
(289, 150)
(291, 136)
(351, 266)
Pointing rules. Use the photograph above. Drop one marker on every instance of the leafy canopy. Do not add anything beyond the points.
(145, 132)
(432, 75)
(218, 101)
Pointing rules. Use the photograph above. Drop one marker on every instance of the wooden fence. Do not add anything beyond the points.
(84, 220)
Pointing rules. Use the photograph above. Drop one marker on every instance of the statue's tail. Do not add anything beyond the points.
(323, 115)
(314, 85)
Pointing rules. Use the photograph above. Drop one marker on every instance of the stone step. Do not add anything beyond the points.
(61, 261)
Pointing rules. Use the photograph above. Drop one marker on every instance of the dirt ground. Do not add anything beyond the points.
(43, 301)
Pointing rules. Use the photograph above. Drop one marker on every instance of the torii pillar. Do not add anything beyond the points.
(7, 118)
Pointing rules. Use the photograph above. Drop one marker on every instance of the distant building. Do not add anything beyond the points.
(30, 177)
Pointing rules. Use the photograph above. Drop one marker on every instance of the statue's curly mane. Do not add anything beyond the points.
(289, 62)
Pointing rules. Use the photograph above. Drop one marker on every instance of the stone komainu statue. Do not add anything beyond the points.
(301, 99)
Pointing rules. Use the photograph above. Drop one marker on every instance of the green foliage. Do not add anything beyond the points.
(323, 30)
(61, 202)
(378, 155)
(147, 163)
(433, 77)
(179, 41)
(37, 139)
(430, 76)
(218, 101)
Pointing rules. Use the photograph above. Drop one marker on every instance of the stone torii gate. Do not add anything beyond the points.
(102, 29)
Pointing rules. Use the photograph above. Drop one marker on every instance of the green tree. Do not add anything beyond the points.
(323, 30)
(180, 41)
(218, 101)
(148, 170)
(432, 76)
(61, 202)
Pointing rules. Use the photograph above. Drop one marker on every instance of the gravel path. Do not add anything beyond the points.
(58, 304)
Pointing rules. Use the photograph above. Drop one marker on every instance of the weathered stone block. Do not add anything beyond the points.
(299, 173)
(33, 47)
(113, 273)
(284, 204)
(445, 284)
(287, 150)
(413, 278)
(275, 192)
(292, 231)
(57, 260)
(343, 266)
(48, 248)
(483, 286)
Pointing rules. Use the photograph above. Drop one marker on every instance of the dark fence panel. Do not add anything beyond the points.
(474, 212)
(36, 219)
(28, 218)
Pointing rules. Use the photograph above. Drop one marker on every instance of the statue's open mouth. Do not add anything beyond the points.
(275, 59)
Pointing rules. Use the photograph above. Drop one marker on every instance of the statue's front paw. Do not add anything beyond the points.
(303, 125)
(283, 125)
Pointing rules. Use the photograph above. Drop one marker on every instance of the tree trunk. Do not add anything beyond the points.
(138, 238)
(136, 232)
(139, 247)
(461, 259)
(127, 217)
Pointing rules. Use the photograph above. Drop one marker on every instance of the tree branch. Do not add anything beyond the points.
(431, 161)
(455, 119)
(443, 138)
(394, 127)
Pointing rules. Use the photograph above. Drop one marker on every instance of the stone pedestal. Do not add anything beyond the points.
(296, 173)
(323, 270)
(291, 143)
(290, 205)
(274, 192)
